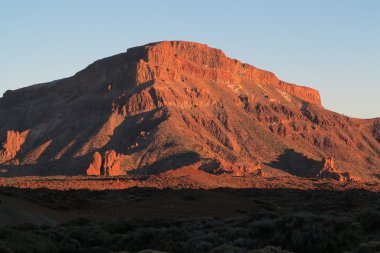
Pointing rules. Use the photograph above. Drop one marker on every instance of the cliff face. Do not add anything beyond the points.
(168, 105)
(179, 61)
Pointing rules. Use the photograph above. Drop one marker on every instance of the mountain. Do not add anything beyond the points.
(172, 104)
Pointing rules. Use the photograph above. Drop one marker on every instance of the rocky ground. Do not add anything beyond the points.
(192, 220)
(188, 177)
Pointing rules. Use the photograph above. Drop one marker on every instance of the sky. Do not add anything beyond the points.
(330, 45)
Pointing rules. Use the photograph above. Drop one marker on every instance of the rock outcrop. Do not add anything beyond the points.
(217, 167)
(305, 93)
(95, 167)
(12, 145)
(112, 165)
(329, 171)
(107, 166)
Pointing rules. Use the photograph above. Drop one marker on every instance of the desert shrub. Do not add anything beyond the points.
(140, 239)
(191, 225)
(59, 236)
(25, 227)
(28, 242)
(309, 238)
(201, 246)
(262, 227)
(227, 248)
(154, 223)
(243, 242)
(146, 251)
(304, 232)
(263, 215)
(5, 249)
(4, 233)
(81, 234)
(164, 239)
(115, 242)
(370, 220)
(368, 247)
(298, 232)
(97, 238)
(77, 222)
(203, 243)
(120, 227)
(269, 249)
(171, 239)
(234, 232)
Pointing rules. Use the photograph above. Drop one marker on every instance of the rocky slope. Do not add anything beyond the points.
(167, 105)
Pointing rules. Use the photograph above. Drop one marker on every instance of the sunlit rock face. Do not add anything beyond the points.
(12, 144)
(173, 104)
(95, 167)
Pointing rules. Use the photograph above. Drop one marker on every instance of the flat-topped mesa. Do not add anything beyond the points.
(179, 61)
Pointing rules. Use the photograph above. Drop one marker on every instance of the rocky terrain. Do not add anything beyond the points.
(173, 104)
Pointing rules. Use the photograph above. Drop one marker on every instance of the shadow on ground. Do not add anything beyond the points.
(295, 163)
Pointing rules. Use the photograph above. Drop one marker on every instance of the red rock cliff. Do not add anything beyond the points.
(179, 61)
(169, 105)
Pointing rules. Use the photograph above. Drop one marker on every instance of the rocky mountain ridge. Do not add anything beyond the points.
(172, 104)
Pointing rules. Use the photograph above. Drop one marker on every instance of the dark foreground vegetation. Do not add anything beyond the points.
(298, 232)
(280, 221)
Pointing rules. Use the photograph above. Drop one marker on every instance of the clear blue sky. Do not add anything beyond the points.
(331, 45)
